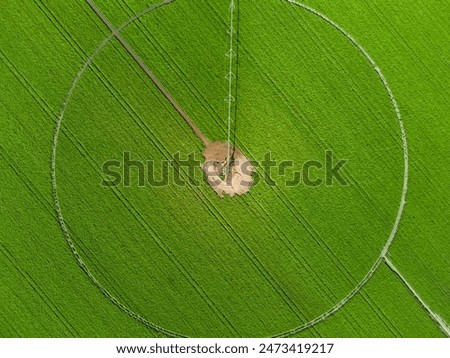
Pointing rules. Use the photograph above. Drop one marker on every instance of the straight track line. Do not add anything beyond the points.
(443, 325)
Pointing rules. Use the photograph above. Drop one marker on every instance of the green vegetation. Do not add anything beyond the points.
(179, 256)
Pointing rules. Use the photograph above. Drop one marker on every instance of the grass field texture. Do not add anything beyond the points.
(180, 257)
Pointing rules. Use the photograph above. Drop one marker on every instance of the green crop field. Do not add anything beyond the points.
(321, 82)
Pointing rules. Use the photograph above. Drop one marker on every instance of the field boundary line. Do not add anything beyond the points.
(443, 325)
